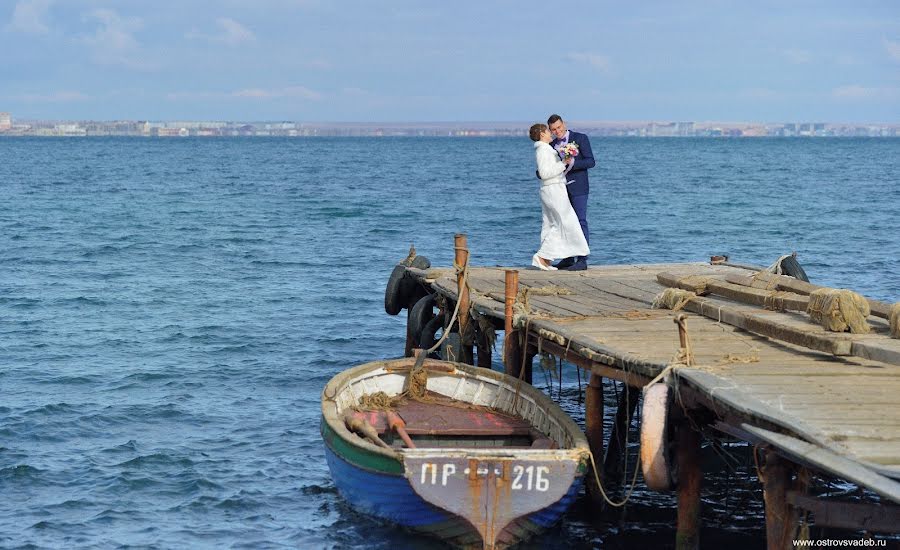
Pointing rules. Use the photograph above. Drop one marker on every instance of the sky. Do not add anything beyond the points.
(459, 60)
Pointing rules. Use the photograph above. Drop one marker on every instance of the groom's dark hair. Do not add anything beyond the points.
(552, 119)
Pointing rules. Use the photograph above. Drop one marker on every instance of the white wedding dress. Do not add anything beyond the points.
(561, 235)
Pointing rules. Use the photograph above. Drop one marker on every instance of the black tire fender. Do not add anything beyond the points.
(393, 292)
(420, 262)
(791, 267)
(419, 315)
(428, 338)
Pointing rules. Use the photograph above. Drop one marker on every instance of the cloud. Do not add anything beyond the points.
(597, 61)
(762, 94)
(797, 57)
(234, 32)
(317, 64)
(64, 96)
(893, 49)
(855, 92)
(289, 92)
(299, 92)
(114, 43)
(28, 17)
(229, 32)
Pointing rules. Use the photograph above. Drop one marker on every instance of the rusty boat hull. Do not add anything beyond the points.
(489, 476)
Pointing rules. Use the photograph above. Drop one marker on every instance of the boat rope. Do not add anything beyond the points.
(524, 353)
(625, 500)
(465, 283)
(417, 378)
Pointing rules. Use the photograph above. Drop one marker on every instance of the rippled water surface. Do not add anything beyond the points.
(170, 310)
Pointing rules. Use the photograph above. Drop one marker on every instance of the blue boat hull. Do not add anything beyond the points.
(392, 498)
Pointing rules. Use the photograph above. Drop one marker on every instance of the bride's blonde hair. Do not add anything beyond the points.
(535, 131)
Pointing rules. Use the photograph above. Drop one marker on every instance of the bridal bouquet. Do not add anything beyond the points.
(569, 150)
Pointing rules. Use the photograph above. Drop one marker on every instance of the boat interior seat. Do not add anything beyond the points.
(439, 419)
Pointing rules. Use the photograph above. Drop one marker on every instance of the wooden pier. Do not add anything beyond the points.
(740, 357)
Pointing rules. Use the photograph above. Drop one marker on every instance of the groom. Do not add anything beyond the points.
(576, 181)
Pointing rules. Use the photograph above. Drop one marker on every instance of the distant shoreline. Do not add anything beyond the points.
(10, 135)
(197, 128)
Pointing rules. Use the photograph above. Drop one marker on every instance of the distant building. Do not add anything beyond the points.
(5, 122)
(662, 130)
(684, 129)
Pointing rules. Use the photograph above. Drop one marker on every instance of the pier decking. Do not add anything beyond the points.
(769, 375)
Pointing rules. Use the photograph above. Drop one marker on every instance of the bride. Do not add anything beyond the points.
(561, 235)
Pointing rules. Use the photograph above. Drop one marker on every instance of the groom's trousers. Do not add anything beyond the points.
(579, 203)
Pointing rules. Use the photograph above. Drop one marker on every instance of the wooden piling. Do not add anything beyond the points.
(690, 477)
(593, 428)
(527, 364)
(484, 353)
(511, 348)
(461, 258)
(616, 452)
(780, 518)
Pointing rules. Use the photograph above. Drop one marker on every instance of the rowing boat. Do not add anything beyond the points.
(466, 454)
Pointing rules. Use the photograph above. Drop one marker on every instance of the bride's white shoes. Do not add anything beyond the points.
(536, 262)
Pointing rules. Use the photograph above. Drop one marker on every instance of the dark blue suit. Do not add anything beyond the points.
(578, 186)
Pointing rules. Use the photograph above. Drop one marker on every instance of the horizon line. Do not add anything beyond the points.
(605, 122)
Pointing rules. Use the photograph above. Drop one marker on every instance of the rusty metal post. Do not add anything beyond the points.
(461, 259)
(511, 350)
(690, 476)
(593, 429)
(776, 478)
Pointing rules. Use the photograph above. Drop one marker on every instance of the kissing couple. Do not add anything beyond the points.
(563, 159)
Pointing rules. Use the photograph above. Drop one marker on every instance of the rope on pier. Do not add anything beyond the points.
(895, 320)
(522, 305)
(839, 309)
(672, 298)
(774, 301)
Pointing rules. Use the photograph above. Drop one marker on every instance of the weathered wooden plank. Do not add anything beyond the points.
(598, 304)
(856, 380)
(617, 288)
(807, 453)
(794, 398)
(555, 307)
(748, 295)
(772, 328)
(885, 350)
(848, 515)
(782, 282)
(881, 452)
(726, 394)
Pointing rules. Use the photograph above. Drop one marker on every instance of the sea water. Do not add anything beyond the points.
(170, 310)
